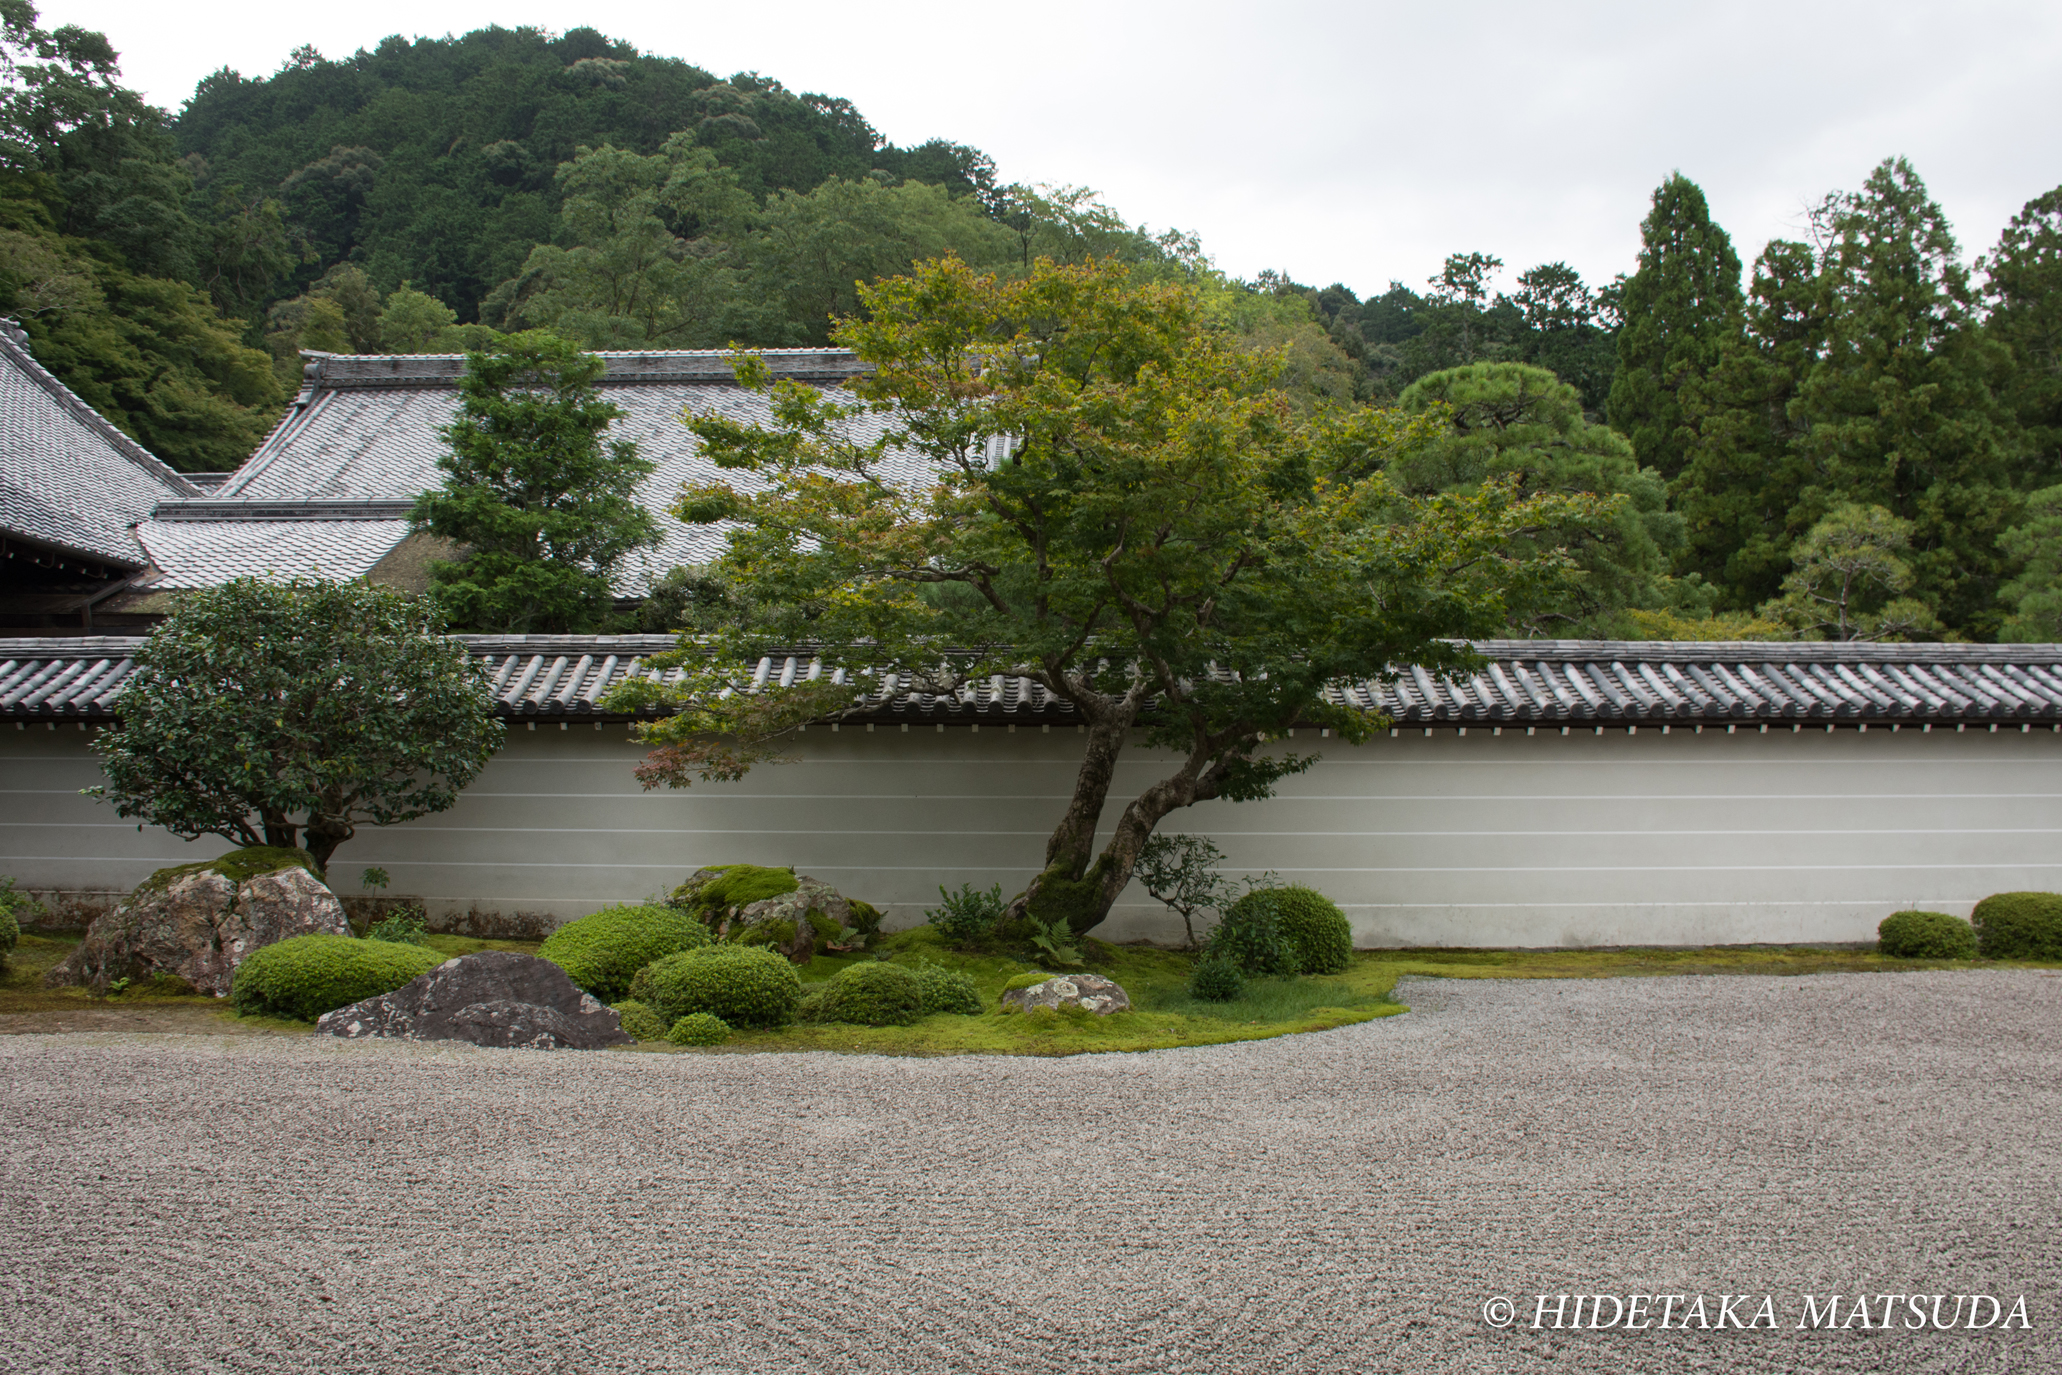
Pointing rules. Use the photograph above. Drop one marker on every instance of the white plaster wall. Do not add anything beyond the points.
(1482, 839)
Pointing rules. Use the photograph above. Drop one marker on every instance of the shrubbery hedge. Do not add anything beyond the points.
(640, 1022)
(2019, 926)
(699, 1029)
(1315, 929)
(870, 994)
(947, 990)
(306, 976)
(1926, 936)
(745, 985)
(602, 952)
(1251, 939)
(1216, 980)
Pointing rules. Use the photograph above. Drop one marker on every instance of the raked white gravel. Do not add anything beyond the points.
(1339, 1202)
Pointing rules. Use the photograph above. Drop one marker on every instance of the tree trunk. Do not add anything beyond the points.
(1078, 889)
(281, 832)
(323, 835)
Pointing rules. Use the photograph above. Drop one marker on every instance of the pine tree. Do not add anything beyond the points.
(1680, 308)
(2024, 293)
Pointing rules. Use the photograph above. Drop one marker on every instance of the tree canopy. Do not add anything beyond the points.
(1083, 482)
(293, 713)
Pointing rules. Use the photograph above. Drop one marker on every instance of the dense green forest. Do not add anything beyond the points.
(1850, 435)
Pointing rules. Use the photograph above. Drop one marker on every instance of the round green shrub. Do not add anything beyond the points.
(1251, 937)
(699, 1029)
(946, 990)
(640, 1022)
(1216, 981)
(870, 994)
(306, 976)
(601, 952)
(1926, 936)
(2019, 926)
(745, 985)
(1315, 929)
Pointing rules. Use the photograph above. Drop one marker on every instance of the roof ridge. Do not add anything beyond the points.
(77, 406)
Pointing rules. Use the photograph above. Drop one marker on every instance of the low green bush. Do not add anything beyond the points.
(603, 951)
(1926, 936)
(2019, 926)
(1316, 930)
(640, 1023)
(1250, 937)
(870, 994)
(14, 905)
(402, 926)
(745, 985)
(1216, 980)
(306, 976)
(967, 916)
(699, 1029)
(946, 990)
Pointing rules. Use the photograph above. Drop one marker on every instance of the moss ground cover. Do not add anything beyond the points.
(1157, 980)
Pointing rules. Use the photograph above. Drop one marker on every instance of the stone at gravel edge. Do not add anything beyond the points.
(494, 998)
(1091, 991)
(200, 927)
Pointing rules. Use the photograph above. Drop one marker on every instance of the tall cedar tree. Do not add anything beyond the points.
(1681, 308)
(544, 507)
(2024, 293)
(294, 713)
(1165, 547)
(1865, 377)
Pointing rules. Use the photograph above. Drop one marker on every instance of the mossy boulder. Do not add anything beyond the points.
(199, 922)
(799, 916)
(305, 976)
(603, 951)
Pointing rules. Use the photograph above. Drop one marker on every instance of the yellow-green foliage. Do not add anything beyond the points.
(2019, 926)
(603, 951)
(306, 976)
(867, 994)
(699, 1029)
(1926, 936)
(640, 1022)
(745, 985)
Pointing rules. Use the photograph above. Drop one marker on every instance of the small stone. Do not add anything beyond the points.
(1091, 992)
(494, 998)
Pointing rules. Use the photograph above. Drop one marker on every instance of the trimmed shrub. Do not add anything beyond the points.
(640, 1022)
(1216, 981)
(603, 951)
(1315, 928)
(712, 891)
(870, 994)
(306, 976)
(13, 905)
(1926, 936)
(946, 990)
(968, 915)
(699, 1029)
(745, 985)
(2019, 926)
(1251, 937)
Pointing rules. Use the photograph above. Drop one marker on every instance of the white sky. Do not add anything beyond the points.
(1340, 141)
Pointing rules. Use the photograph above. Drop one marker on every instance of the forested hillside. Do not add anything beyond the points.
(1852, 435)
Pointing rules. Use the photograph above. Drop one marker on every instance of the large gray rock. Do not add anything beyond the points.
(494, 998)
(199, 921)
(793, 923)
(1092, 991)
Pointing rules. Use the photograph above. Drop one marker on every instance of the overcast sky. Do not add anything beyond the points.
(1353, 142)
